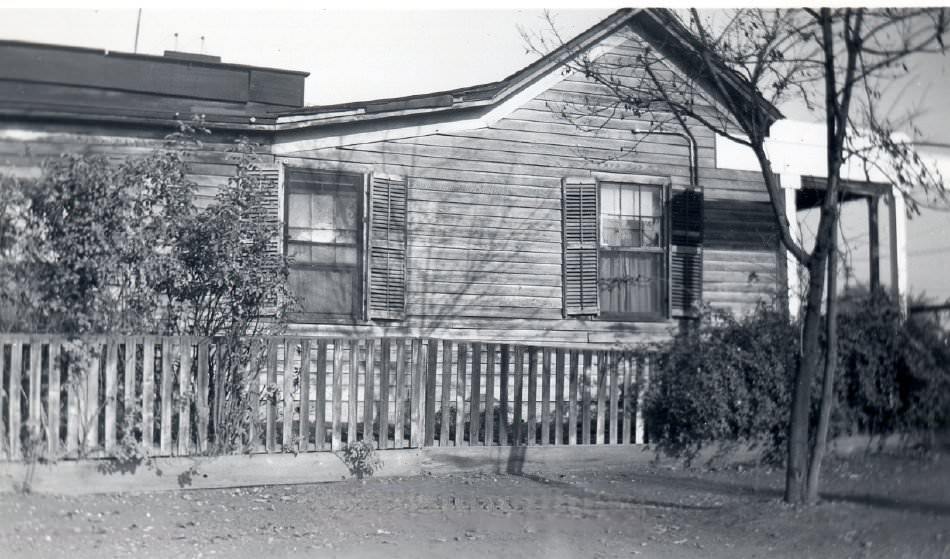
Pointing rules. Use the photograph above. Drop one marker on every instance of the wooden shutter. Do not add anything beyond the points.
(387, 248)
(686, 252)
(269, 211)
(579, 215)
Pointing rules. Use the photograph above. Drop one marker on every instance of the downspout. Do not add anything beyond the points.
(694, 185)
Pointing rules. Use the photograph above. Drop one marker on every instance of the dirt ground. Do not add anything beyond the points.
(874, 507)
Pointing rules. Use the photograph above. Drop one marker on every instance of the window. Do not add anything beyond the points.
(633, 252)
(324, 240)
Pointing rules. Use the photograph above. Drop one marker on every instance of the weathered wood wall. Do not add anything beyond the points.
(484, 243)
(484, 214)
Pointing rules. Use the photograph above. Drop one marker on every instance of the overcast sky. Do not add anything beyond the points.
(357, 55)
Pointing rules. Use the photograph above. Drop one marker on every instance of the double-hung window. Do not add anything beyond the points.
(633, 252)
(324, 241)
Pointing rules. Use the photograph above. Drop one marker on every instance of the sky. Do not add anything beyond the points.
(372, 53)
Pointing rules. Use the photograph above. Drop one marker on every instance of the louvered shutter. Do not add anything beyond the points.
(579, 215)
(269, 210)
(387, 248)
(686, 252)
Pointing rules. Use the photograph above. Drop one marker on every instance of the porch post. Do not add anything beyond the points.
(898, 233)
(791, 184)
(874, 244)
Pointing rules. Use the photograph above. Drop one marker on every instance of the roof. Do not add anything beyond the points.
(39, 80)
(659, 21)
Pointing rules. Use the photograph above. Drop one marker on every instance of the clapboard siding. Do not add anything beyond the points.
(484, 239)
(484, 214)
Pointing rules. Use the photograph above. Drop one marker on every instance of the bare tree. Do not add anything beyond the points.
(741, 64)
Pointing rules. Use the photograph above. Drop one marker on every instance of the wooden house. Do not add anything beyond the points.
(477, 213)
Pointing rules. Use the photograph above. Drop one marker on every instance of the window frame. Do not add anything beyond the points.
(664, 186)
(357, 312)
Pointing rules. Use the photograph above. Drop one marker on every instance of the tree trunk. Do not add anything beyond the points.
(828, 382)
(801, 396)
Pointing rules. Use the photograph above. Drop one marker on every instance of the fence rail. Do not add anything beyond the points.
(102, 396)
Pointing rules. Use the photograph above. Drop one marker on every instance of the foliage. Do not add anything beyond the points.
(95, 245)
(729, 379)
(360, 458)
(894, 375)
(726, 380)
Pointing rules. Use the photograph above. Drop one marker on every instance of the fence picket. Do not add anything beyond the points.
(422, 418)
(384, 353)
(447, 382)
(532, 395)
(90, 415)
(353, 393)
(476, 412)
(287, 430)
(627, 397)
(54, 398)
(517, 435)
(503, 396)
(369, 381)
(431, 376)
(253, 377)
(614, 397)
(572, 397)
(586, 396)
(35, 409)
(201, 395)
(399, 435)
(304, 411)
(14, 387)
(489, 429)
(270, 391)
(601, 395)
(460, 394)
(559, 398)
(546, 397)
(336, 438)
(111, 395)
(184, 396)
(643, 379)
(148, 393)
(320, 413)
(128, 381)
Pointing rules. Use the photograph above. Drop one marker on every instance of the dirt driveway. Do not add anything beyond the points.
(876, 507)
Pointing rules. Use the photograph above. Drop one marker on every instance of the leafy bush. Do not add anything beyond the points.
(727, 379)
(95, 245)
(360, 458)
(893, 375)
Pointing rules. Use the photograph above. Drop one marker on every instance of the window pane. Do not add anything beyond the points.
(632, 283)
(299, 253)
(345, 213)
(651, 201)
(298, 210)
(321, 210)
(323, 291)
(323, 254)
(628, 201)
(346, 255)
(610, 199)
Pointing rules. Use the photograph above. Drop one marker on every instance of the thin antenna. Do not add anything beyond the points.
(176, 41)
(138, 24)
(202, 44)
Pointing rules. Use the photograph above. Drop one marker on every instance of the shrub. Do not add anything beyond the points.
(726, 379)
(360, 458)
